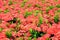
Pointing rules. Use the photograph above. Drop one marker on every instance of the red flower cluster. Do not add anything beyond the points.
(29, 19)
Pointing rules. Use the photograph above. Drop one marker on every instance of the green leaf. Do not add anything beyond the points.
(58, 6)
(36, 34)
(37, 5)
(29, 38)
(56, 19)
(35, 38)
(40, 21)
(25, 0)
(41, 11)
(43, 1)
(22, 4)
(30, 30)
(58, 10)
(19, 22)
(1, 29)
(51, 7)
(6, 11)
(29, 5)
(27, 14)
(8, 34)
(47, 9)
(10, 2)
(36, 12)
(20, 38)
(48, 39)
(56, 0)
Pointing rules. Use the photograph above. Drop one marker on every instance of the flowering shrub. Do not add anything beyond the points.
(29, 19)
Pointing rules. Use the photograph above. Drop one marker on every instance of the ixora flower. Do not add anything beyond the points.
(29, 19)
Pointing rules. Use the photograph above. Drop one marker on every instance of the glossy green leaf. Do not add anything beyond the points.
(51, 7)
(40, 21)
(36, 34)
(29, 38)
(6, 11)
(29, 5)
(58, 6)
(25, 0)
(27, 14)
(10, 2)
(58, 10)
(22, 4)
(1, 29)
(56, 19)
(8, 34)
